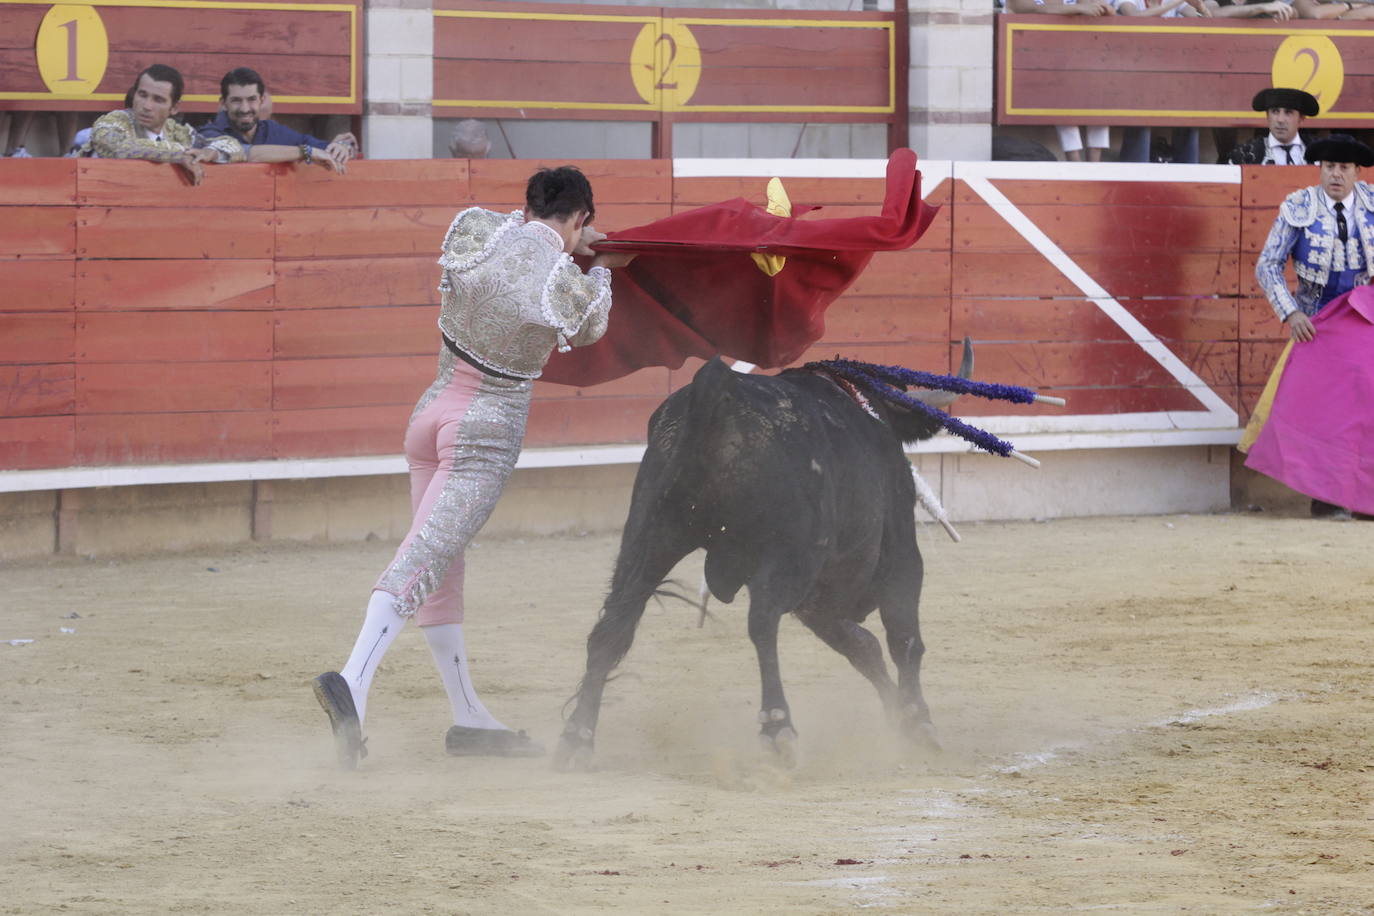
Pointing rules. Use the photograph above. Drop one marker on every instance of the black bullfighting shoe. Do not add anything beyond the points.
(337, 701)
(1330, 511)
(462, 741)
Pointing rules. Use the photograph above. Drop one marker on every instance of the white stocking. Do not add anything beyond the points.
(380, 628)
(450, 657)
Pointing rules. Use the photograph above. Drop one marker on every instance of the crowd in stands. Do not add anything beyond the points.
(150, 127)
(147, 127)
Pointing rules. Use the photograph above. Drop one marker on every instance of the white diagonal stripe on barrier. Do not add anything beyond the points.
(1138, 333)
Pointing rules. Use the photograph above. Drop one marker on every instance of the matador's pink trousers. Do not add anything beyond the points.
(461, 445)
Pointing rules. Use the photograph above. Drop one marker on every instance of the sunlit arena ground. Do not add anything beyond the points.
(1141, 715)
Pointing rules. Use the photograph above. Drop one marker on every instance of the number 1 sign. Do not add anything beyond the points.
(72, 50)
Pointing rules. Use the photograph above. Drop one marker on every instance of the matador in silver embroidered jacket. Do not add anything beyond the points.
(510, 295)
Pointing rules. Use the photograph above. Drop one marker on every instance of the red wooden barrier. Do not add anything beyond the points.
(277, 312)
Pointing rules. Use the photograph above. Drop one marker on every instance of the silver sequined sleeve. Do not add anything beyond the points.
(590, 297)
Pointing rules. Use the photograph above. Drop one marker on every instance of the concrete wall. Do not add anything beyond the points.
(397, 117)
(28, 524)
(544, 501)
(1253, 492)
(950, 79)
(1146, 481)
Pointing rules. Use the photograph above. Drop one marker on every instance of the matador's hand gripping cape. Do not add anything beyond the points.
(696, 288)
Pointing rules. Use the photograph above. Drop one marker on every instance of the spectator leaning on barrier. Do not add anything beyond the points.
(147, 130)
(1336, 9)
(242, 93)
(469, 140)
(1328, 231)
(1069, 139)
(1278, 10)
(1283, 143)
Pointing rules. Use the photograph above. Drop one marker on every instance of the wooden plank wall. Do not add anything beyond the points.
(275, 312)
(308, 51)
(512, 60)
(1166, 251)
(1189, 72)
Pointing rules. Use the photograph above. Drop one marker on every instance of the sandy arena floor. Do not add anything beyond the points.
(1140, 715)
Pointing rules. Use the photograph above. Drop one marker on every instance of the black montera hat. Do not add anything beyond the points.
(1340, 148)
(1295, 99)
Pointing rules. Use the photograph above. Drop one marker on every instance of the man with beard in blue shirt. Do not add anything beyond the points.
(241, 95)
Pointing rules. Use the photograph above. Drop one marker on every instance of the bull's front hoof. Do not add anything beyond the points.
(783, 746)
(574, 751)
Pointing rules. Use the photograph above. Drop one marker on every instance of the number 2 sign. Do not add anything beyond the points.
(665, 64)
(1313, 64)
(72, 50)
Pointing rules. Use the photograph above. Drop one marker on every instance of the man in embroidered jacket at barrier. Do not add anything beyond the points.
(146, 129)
(1283, 143)
(242, 98)
(511, 294)
(1328, 231)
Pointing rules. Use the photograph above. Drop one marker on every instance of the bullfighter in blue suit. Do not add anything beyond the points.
(1328, 231)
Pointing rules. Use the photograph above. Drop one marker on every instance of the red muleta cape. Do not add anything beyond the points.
(694, 290)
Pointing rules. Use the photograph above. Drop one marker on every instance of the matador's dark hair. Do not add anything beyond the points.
(559, 193)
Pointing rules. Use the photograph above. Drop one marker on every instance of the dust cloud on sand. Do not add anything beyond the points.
(1138, 715)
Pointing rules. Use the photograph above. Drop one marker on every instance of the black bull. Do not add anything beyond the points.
(796, 491)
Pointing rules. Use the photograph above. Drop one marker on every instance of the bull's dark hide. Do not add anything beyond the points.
(795, 491)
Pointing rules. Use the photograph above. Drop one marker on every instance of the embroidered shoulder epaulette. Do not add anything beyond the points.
(1365, 193)
(1301, 208)
(472, 237)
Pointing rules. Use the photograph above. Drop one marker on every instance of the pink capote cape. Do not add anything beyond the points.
(1320, 436)
(694, 290)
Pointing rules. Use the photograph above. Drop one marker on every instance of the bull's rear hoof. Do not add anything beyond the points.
(573, 754)
(784, 747)
(922, 737)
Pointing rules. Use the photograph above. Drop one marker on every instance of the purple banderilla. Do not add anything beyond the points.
(881, 381)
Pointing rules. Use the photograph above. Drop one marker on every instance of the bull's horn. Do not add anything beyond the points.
(942, 399)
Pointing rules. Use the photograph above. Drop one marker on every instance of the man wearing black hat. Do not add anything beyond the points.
(1283, 144)
(1328, 230)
